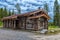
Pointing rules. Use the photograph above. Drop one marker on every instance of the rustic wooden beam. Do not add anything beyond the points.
(4, 24)
(47, 24)
(11, 23)
(25, 24)
(7, 23)
(38, 24)
(14, 24)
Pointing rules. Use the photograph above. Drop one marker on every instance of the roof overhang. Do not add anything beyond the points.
(10, 17)
(42, 15)
(28, 14)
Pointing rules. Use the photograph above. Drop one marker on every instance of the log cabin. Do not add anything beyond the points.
(34, 20)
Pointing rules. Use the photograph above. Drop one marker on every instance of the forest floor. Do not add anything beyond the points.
(7, 34)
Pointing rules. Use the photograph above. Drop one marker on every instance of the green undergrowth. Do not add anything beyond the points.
(1, 24)
(53, 30)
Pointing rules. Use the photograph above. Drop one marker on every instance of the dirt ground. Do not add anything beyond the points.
(6, 34)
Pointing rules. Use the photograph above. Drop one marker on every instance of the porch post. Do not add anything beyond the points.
(38, 24)
(7, 24)
(47, 24)
(11, 23)
(14, 24)
(4, 24)
(43, 25)
(25, 23)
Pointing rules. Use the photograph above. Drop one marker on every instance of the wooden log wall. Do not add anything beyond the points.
(43, 25)
(29, 24)
(22, 23)
(35, 24)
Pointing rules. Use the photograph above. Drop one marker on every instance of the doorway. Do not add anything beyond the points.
(17, 24)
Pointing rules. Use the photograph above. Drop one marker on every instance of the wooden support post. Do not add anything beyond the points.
(14, 24)
(7, 23)
(25, 24)
(11, 23)
(43, 25)
(38, 24)
(4, 24)
(47, 24)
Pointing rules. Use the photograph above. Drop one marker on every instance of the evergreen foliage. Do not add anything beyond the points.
(56, 14)
(18, 8)
(4, 13)
(46, 7)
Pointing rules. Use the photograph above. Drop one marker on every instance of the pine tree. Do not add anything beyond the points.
(46, 7)
(13, 12)
(5, 12)
(18, 8)
(59, 15)
(56, 13)
(9, 13)
(1, 13)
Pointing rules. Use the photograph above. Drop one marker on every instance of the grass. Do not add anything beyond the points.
(1, 24)
(52, 27)
(53, 30)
